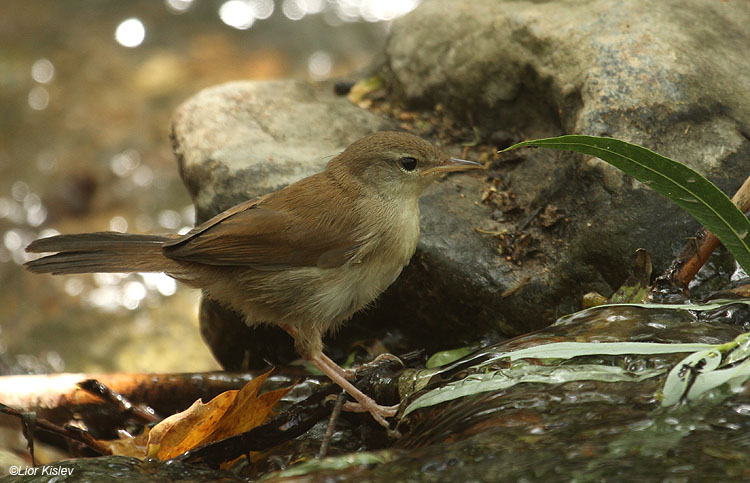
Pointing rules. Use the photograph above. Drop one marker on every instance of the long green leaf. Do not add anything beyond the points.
(681, 184)
(522, 373)
(569, 350)
(496, 380)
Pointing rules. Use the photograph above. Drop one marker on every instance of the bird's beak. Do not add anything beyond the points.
(453, 164)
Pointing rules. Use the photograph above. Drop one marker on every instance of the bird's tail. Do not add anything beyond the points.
(100, 252)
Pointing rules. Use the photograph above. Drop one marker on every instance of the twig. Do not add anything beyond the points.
(528, 220)
(44, 425)
(699, 250)
(167, 393)
(142, 413)
(338, 405)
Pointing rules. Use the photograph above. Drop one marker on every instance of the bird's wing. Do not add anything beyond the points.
(265, 237)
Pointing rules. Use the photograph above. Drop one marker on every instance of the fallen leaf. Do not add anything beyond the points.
(229, 413)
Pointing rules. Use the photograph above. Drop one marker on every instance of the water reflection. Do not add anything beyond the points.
(143, 176)
(169, 219)
(373, 10)
(238, 14)
(297, 9)
(74, 286)
(242, 14)
(320, 65)
(46, 162)
(162, 282)
(12, 240)
(118, 223)
(43, 71)
(125, 162)
(130, 33)
(36, 213)
(114, 291)
(38, 98)
(178, 6)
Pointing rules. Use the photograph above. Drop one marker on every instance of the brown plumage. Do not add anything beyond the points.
(305, 257)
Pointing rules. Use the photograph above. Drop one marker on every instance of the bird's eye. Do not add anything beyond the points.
(408, 163)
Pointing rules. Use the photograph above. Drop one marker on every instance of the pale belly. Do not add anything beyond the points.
(352, 288)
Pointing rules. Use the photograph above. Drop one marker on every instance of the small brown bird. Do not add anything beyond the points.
(306, 257)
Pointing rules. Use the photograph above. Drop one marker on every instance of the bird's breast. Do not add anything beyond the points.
(391, 236)
(389, 245)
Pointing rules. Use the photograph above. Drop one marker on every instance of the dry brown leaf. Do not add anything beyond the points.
(228, 414)
(187, 428)
(247, 412)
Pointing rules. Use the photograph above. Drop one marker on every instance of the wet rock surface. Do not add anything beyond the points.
(591, 417)
(588, 428)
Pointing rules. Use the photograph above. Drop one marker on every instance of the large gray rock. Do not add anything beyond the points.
(672, 75)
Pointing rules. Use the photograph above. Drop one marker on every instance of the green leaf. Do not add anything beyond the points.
(704, 370)
(443, 358)
(569, 350)
(681, 184)
(635, 288)
(522, 373)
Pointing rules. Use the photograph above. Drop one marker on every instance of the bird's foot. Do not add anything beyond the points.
(364, 402)
(350, 374)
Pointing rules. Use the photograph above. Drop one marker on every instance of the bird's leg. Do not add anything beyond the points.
(341, 377)
(364, 402)
(346, 373)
